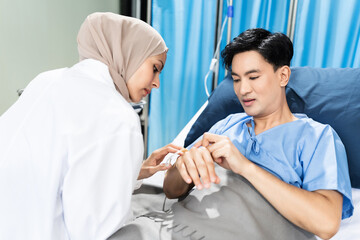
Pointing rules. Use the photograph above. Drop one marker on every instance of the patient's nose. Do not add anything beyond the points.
(244, 87)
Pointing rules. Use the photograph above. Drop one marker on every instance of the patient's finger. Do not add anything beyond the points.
(210, 165)
(201, 165)
(180, 165)
(198, 144)
(210, 138)
(192, 169)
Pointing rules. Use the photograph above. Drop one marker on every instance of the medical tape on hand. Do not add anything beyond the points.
(172, 157)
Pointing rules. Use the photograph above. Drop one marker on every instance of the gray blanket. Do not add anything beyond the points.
(231, 210)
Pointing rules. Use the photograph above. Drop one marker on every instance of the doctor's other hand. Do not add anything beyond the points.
(197, 164)
(152, 164)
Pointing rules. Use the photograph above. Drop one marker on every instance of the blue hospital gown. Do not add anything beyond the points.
(303, 153)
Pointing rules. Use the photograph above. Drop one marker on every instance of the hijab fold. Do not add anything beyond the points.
(122, 43)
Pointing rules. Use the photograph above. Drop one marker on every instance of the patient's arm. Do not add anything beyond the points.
(174, 186)
(318, 212)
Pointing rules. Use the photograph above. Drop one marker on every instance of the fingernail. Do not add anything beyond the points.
(199, 187)
(207, 185)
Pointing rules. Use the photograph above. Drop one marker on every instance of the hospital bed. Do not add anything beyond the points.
(329, 95)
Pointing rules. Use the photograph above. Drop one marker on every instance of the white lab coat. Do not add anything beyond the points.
(70, 152)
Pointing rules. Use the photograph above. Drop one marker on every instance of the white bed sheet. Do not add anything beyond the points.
(350, 227)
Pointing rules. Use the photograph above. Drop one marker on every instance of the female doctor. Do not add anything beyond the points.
(71, 146)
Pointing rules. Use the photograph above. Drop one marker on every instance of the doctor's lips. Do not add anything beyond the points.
(248, 101)
(147, 91)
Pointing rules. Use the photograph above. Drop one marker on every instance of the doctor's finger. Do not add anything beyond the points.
(162, 152)
(169, 149)
(160, 167)
(175, 146)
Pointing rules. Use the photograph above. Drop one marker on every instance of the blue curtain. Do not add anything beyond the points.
(268, 14)
(188, 28)
(327, 33)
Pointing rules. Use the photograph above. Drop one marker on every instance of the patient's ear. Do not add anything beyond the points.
(284, 74)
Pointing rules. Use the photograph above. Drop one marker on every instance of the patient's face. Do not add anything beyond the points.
(146, 77)
(256, 84)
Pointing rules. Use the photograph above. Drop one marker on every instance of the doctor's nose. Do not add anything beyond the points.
(156, 82)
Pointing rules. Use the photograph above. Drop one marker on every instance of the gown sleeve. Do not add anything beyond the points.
(103, 165)
(325, 165)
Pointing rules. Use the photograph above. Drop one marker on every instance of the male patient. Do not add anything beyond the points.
(278, 175)
(298, 165)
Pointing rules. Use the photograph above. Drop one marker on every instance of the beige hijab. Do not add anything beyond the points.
(122, 43)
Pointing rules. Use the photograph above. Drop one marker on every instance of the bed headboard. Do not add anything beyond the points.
(327, 95)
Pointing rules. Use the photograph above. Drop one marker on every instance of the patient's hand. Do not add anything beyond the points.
(197, 164)
(224, 152)
(152, 164)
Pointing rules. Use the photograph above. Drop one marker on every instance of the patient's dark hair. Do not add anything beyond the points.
(276, 48)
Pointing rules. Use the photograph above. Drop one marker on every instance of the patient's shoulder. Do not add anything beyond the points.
(314, 131)
(310, 125)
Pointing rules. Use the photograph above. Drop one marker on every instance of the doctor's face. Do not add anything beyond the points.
(146, 77)
(259, 88)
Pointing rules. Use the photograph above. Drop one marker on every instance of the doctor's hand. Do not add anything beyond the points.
(224, 152)
(197, 164)
(152, 164)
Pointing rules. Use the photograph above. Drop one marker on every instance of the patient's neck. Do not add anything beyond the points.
(276, 118)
